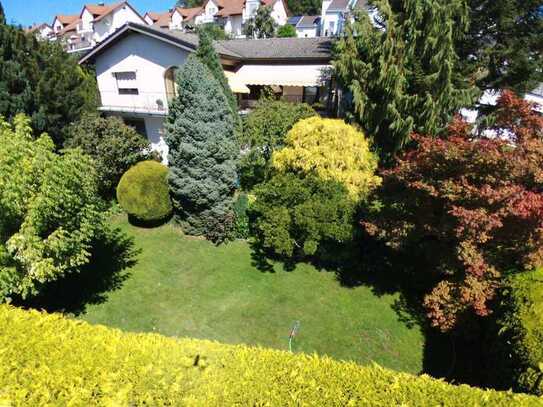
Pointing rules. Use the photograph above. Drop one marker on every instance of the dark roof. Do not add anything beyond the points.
(280, 48)
(308, 21)
(294, 20)
(343, 5)
(296, 49)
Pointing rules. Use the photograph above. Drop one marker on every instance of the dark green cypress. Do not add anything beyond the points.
(2, 14)
(202, 152)
(406, 78)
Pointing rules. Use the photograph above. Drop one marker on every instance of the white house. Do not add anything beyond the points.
(41, 31)
(335, 13)
(230, 14)
(135, 71)
(306, 26)
(95, 23)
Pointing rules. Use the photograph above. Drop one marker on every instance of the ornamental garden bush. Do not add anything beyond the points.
(50, 212)
(50, 360)
(143, 192)
(264, 131)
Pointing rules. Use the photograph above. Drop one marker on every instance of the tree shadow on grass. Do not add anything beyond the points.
(107, 270)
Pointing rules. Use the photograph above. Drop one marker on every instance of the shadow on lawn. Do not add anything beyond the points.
(367, 262)
(106, 272)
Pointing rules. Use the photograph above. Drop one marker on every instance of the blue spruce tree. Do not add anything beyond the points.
(202, 153)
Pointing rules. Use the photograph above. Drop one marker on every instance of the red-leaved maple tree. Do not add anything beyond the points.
(472, 205)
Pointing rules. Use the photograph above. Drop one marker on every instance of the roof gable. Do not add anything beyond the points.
(65, 19)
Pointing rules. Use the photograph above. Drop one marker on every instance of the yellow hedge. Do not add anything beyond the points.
(50, 360)
(331, 150)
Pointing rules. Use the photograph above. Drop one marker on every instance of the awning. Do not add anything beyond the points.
(283, 75)
(235, 84)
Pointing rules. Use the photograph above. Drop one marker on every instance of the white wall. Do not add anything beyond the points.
(57, 25)
(154, 127)
(86, 21)
(306, 32)
(329, 18)
(279, 13)
(208, 15)
(149, 58)
(148, 20)
(233, 26)
(107, 25)
(177, 20)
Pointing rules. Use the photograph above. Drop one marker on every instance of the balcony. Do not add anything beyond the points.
(135, 102)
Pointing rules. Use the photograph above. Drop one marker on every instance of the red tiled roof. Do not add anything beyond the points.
(65, 20)
(70, 27)
(189, 13)
(231, 8)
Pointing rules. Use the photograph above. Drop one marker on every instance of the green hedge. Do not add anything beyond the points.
(523, 328)
(143, 192)
(49, 360)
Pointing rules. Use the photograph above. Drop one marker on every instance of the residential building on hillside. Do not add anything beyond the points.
(335, 13)
(41, 31)
(306, 26)
(62, 21)
(136, 66)
(229, 14)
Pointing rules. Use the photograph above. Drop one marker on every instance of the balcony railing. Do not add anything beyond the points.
(127, 100)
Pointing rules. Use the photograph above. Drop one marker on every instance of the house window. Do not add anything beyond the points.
(171, 84)
(126, 83)
(311, 95)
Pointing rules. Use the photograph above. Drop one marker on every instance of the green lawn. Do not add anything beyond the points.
(184, 286)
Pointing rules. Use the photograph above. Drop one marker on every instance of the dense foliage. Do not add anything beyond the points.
(304, 7)
(302, 216)
(468, 209)
(208, 56)
(503, 47)
(143, 192)
(332, 151)
(202, 152)
(2, 15)
(212, 30)
(49, 212)
(51, 360)
(522, 326)
(265, 129)
(262, 25)
(38, 78)
(321, 175)
(406, 78)
(286, 31)
(114, 146)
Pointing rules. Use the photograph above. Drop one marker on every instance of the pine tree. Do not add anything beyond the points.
(202, 152)
(208, 56)
(2, 14)
(38, 78)
(404, 78)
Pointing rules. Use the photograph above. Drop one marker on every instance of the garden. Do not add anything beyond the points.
(309, 248)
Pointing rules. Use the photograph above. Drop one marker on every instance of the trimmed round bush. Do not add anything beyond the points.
(143, 192)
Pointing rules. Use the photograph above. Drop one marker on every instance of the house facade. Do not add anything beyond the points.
(136, 66)
(306, 26)
(41, 31)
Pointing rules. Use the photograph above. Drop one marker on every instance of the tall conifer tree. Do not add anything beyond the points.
(208, 56)
(403, 76)
(2, 14)
(202, 152)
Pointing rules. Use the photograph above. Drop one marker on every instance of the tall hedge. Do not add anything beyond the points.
(50, 360)
(523, 329)
(202, 152)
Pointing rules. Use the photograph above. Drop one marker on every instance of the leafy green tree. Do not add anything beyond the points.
(262, 25)
(49, 210)
(39, 79)
(286, 31)
(214, 31)
(188, 3)
(208, 56)
(301, 216)
(406, 78)
(265, 130)
(202, 153)
(114, 146)
(304, 7)
(503, 48)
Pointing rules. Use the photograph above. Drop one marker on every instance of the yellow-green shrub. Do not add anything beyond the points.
(333, 151)
(143, 192)
(50, 360)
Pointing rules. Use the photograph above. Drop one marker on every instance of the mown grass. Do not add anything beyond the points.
(187, 287)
